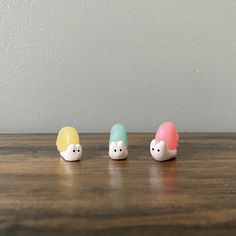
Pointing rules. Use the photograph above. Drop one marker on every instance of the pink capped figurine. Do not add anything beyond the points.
(164, 146)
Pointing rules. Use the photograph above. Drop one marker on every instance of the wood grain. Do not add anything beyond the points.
(41, 194)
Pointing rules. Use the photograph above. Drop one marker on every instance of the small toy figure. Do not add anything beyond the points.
(164, 146)
(68, 144)
(118, 142)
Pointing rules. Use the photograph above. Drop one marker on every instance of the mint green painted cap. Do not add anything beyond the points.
(118, 133)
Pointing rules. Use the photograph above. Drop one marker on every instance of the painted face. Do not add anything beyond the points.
(72, 153)
(158, 150)
(118, 150)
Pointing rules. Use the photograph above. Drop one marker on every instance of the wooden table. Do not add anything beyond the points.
(41, 194)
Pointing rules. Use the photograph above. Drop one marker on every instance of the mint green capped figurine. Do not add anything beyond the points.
(118, 142)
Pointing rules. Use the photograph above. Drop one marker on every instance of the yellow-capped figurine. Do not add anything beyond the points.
(68, 144)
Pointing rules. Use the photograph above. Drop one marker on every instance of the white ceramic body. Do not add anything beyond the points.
(72, 153)
(160, 152)
(118, 150)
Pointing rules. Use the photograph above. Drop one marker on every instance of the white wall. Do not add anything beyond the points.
(92, 63)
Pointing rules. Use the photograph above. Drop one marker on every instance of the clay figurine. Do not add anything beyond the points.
(165, 144)
(118, 142)
(68, 144)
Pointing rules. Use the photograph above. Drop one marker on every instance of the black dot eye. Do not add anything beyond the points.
(120, 150)
(73, 150)
(114, 150)
(158, 150)
(152, 149)
(78, 150)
